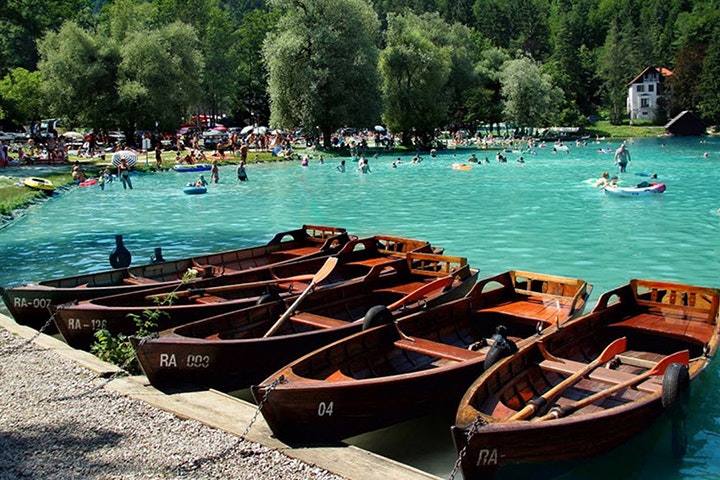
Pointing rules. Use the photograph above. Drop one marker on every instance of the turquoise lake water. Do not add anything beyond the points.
(541, 217)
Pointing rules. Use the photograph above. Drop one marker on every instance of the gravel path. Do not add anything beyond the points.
(56, 422)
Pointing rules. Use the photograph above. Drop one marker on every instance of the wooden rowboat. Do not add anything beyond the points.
(78, 322)
(591, 385)
(420, 365)
(233, 351)
(30, 303)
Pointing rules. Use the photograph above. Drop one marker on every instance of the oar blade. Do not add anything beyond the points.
(678, 357)
(615, 348)
(422, 291)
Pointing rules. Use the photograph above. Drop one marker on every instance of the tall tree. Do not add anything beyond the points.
(251, 101)
(21, 95)
(709, 86)
(530, 98)
(484, 102)
(79, 72)
(415, 72)
(322, 65)
(616, 72)
(23, 22)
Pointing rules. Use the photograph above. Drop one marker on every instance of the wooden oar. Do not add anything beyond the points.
(616, 347)
(235, 286)
(324, 271)
(422, 291)
(659, 369)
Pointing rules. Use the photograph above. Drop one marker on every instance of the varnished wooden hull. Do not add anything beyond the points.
(78, 322)
(657, 319)
(228, 352)
(31, 304)
(377, 378)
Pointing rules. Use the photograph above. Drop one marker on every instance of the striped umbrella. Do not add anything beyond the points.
(129, 156)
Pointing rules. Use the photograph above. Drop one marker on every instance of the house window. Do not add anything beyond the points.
(644, 103)
(641, 88)
(651, 87)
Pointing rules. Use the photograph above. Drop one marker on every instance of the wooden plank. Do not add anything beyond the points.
(437, 349)
(317, 321)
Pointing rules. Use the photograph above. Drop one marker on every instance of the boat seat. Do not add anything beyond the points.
(534, 308)
(601, 374)
(437, 349)
(674, 324)
(134, 280)
(210, 299)
(317, 321)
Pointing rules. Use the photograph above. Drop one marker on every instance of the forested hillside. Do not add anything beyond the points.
(412, 64)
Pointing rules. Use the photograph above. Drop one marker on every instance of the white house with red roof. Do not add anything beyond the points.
(644, 92)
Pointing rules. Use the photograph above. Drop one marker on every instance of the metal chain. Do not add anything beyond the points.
(246, 452)
(475, 427)
(30, 340)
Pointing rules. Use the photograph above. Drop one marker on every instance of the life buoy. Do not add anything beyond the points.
(675, 398)
(377, 315)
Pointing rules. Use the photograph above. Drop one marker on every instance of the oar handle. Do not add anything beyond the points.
(533, 406)
(659, 369)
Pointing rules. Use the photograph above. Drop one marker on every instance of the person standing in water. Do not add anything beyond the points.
(215, 172)
(622, 157)
(241, 173)
(124, 174)
(341, 167)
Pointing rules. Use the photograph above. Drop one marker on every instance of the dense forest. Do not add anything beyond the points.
(413, 65)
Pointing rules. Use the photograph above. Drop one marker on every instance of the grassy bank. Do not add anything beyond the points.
(607, 130)
(14, 196)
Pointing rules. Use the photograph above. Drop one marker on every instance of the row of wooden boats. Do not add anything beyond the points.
(338, 335)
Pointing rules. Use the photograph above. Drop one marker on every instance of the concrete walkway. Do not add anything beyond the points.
(226, 413)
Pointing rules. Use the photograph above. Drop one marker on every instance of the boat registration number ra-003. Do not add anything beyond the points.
(169, 360)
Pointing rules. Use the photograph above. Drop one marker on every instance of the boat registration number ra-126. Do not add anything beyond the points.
(95, 324)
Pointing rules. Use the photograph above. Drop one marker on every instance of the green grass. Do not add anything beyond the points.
(13, 196)
(606, 129)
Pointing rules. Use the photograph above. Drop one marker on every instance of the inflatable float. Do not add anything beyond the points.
(39, 184)
(89, 182)
(461, 166)
(192, 190)
(199, 167)
(651, 189)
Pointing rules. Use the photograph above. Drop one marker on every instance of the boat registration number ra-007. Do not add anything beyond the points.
(22, 302)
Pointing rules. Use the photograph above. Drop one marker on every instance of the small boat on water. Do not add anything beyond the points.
(206, 297)
(197, 167)
(639, 191)
(37, 183)
(420, 364)
(592, 384)
(234, 350)
(30, 303)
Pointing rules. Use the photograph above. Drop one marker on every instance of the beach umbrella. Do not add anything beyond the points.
(379, 128)
(260, 130)
(128, 155)
(246, 130)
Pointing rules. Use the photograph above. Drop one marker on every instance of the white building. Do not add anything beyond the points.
(644, 91)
